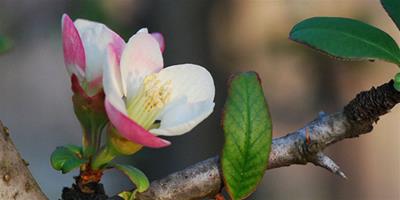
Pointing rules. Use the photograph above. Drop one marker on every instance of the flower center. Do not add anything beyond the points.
(151, 98)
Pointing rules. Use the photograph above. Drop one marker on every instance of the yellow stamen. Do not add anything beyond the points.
(151, 98)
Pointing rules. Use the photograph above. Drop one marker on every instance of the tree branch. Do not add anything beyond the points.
(204, 180)
(16, 181)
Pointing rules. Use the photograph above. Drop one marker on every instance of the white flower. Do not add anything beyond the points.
(143, 100)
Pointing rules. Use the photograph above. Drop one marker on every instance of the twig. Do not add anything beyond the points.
(203, 180)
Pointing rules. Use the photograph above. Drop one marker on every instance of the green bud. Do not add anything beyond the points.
(93, 118)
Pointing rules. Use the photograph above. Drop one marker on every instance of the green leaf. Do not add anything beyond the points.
(126, 195)
(5, 44)
(392, 7)
(397, 82)
(135, 175)
(346, 39)
(67, 158)
(248, 135)
(74, 149)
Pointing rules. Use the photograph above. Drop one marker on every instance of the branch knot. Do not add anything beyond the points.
(369, 105)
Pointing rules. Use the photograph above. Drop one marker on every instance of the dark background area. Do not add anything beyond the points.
(225, 37)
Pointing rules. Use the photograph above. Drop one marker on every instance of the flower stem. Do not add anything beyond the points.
(92, 139)
(107, 154)
(116, 146)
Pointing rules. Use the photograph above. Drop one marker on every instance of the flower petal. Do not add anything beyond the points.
(191, 81)
(183, 118)
(160, 39)
(74, 53)
(76, 86)
(96, 38)
(131, 130)
(141, 56)
(191, 101)
(112, 77)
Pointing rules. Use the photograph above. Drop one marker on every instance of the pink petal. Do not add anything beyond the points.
(96, 83)
(76, 86)
(131, 130)
(74, 53)
(160, 39)
(141, 56)
(96, 38)
(117, 45)
(112, 77)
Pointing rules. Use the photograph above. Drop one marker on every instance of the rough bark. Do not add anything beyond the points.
(306, 145)
(16, 181)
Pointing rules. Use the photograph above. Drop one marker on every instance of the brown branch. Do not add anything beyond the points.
(306, 145)
(16, 181)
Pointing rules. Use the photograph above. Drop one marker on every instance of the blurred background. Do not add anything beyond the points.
(225, 37)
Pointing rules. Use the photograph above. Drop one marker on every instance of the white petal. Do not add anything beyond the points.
(112, 79)
(191, 101)
(183, 118)
(191, 81)
(118, 103)
(143, 30)
(95, 38)
(141, 56)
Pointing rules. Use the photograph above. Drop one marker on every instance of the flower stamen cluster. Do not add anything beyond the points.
(152, 97)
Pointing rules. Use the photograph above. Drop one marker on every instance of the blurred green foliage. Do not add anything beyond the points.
(94, 10)
(5, 44)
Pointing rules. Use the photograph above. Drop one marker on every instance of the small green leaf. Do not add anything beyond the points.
(392, 7)
(74, 149)
(135, 175)
(347, 39)
(126, 195)
(67, 158)
(5, 44)
(397, 82)
(248, 135)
